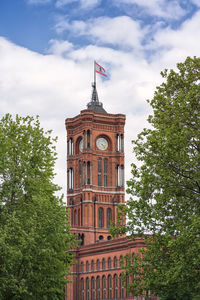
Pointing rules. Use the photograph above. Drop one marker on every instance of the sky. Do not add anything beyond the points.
(47, 50)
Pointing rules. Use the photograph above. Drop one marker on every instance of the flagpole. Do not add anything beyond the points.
(94, 74)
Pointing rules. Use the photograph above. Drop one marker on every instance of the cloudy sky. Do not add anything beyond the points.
(47, 49)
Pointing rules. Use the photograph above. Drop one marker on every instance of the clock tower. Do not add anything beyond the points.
(95, 170)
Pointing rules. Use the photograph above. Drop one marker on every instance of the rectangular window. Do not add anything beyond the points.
(105, 180)
(105, 171)
(99, 179)
(99, 171)
(105, 165)
(80, 173)
(99, 165)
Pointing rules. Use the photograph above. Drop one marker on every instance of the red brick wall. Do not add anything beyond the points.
(85, 213)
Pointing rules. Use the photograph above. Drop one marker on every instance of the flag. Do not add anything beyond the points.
(99, 69)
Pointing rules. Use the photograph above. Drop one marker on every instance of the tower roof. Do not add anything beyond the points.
(94, 104)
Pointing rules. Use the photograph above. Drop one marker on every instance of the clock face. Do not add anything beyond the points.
(81, 145)
(102, 143)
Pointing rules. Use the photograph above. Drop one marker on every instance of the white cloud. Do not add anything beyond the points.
(196, 2)
(119, 31)
(75, 27)
(161, 8)
(85, 4)
(176, 45)
(122, 31)
(38, 1)
(89, 3)
(60, 3)
(59, 47)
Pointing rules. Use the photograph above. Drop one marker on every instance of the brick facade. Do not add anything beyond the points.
(93, 179)
(95, 175)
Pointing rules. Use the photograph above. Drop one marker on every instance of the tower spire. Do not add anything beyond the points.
(94, 104)
(95, 97)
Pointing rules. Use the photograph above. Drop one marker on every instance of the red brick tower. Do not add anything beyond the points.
(95, 170)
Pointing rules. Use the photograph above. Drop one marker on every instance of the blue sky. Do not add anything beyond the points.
(47, 49)
(33, 23)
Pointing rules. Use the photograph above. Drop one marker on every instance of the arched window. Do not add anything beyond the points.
(133, 258)
(121, 261)
(87, 266)
(108, 217)
(84, 139)
(115, 262)
(99, 171)
(103, 264)
(80, 173)
(82, 267)
(93, 288)
(82, 239)
(92, 266)
(72, 217)
(75, 217)
(84, 173)
(82, 290)
(79, 217)
(98, 288)
(87, 289)
(100, 217)
(122, 143)
(98, 264)
(70, 179)
(120, 175)
(88, 172)
(109, 263)
(119, 143)
(109, 286)
(116, 286)
(104, 286)
(121, 287)
(127, 283)
(88, 138)
(105, 166)
(70, 147)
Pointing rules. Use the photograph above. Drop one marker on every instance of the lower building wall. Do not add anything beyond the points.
(97, 273)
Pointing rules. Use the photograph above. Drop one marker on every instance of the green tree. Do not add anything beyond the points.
(35, 236)
(164, 204)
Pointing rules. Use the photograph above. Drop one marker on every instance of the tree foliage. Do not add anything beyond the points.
(164, 205)
(35, 236)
